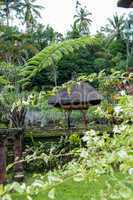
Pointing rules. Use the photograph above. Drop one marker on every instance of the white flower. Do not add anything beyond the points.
(122, 154)
(116, 129)
(85, 138)
(123, 92)
(51, 194)
(123, 127)
(38, 183)
(92, 132)
(99, 110)
(26, 103)
(119, 129)
(118, 109)
(89, 163)
(96, 139)
(42, 124)
(84, 154)
(130, 171)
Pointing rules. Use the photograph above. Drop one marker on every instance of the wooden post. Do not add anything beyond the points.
(85, 120)
(68, 120)
(67, 117)
(2, 160)
(19, 175)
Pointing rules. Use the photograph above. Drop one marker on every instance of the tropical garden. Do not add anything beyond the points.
(36, 62)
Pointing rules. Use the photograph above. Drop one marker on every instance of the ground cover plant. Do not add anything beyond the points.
(103, 161)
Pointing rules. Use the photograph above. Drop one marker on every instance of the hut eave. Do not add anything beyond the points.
(125, 3)
(82, 96)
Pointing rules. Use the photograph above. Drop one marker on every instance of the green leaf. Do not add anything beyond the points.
(51, 55)
(29, 197)
(7, 197)
(9, 166)
(51, 194)
(1, 189)
(78, 177)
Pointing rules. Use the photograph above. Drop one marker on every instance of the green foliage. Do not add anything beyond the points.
(130, 61)
(51, 55)
(9, 74)
(85, 61)
(126, 106)
(15, 46)
(101, 156)
(101, 63)
(117, 46)
(74, 139)
(3, 81)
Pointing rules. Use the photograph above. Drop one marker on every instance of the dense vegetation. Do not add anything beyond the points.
(36, 62)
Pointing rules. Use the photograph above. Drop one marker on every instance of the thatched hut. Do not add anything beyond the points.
(81, 97)
(125, 3)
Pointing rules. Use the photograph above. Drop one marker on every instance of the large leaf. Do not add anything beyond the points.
(51, 55)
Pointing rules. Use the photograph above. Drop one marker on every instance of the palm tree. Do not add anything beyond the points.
(115, 27)
(128, 36)
(82, 20)
(74, 33)
(6, 7)
(30, 11)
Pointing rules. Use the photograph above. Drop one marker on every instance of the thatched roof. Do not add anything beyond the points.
(125, 3)
(81, 96)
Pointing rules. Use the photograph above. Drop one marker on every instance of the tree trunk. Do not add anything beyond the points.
(7, 14)
(55, 75)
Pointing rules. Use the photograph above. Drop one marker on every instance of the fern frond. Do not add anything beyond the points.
(51, 55)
